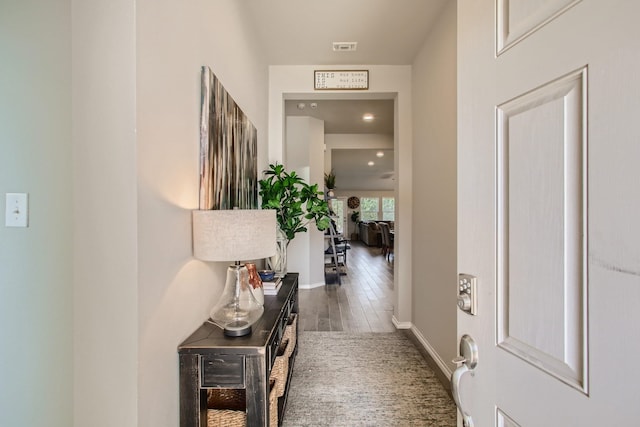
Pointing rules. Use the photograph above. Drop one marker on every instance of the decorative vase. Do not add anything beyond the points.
(278, 262)
(255, 283)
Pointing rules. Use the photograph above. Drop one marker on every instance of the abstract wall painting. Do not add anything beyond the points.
(228, 150)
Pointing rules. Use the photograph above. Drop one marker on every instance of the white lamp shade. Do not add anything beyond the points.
(234, 235)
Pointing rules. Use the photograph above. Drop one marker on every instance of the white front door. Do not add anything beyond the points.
(549, 210)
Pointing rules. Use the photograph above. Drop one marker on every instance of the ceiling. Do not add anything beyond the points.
(345, 116)
(350, 166)
(301, 32)
(387, 32)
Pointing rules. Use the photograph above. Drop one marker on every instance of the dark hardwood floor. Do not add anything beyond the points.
(364, 301)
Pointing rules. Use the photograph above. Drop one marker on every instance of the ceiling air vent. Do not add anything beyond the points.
(345, 46)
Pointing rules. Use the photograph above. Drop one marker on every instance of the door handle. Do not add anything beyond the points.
(466, 362)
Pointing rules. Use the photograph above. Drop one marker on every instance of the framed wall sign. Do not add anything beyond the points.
(341, 79)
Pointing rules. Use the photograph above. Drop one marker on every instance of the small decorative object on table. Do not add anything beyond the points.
(272, 288)
(270, 283)
(267, 275)
(255, 282)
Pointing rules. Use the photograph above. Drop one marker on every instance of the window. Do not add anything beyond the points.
(388, 208)
(377, 208)
(369, 208)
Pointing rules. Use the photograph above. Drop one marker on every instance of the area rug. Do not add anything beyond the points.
(364, 379)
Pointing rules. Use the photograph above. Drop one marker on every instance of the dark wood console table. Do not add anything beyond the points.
(211, 361)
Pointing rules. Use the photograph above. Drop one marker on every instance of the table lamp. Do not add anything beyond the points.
(235, 235)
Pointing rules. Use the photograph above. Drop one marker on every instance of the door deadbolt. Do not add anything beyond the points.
(468, 293)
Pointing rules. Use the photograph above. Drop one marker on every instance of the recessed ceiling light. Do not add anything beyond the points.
(367, 117)
(370, 163)
(379, 154)
(301, 105)
(313, 105)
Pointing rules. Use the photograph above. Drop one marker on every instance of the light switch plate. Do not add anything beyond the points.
(17, 210)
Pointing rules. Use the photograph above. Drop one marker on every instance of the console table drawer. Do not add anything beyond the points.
(224, 370)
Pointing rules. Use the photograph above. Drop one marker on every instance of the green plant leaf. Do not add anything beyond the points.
(294, 200)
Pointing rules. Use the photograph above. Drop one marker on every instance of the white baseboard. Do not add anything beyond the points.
(432, 352)
(311, 285)
(401, 325)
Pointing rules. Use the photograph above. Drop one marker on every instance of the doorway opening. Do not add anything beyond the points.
(361, 153)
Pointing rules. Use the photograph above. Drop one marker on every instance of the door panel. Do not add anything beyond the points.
(541, 150)
(548, 208)
(503, 420)
(517, 19)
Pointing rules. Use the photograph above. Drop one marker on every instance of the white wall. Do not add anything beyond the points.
(176, 292)
(387, 82)
(363, 193)
(304, 156)
(36, 358)
(137, 291)
(434, 196)
(105, 222)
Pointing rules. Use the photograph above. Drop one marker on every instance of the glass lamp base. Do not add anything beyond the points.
(238, 328)
(237, 308)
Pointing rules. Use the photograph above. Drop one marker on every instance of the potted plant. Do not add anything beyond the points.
(330, 183)
(330, 180)
(355, 217)
(297, 204)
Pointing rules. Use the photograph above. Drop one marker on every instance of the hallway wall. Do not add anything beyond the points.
(105, 294)
(36, 271)
(174, 40)
(434, 225)
(99, 114)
